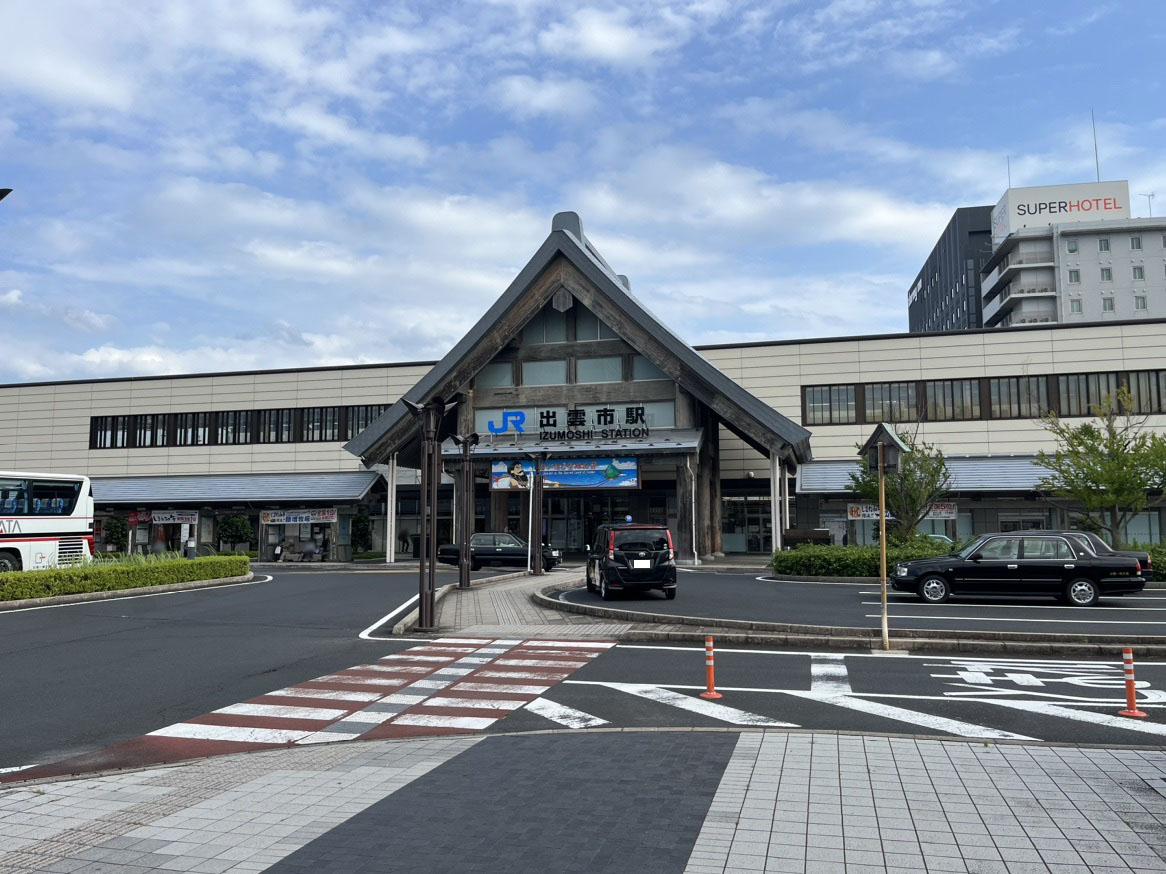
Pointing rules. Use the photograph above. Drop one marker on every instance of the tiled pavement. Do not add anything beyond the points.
(689, 802)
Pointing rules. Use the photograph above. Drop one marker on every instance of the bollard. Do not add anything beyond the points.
(1131, 688)
(711, 692)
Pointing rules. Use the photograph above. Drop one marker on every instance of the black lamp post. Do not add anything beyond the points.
(430, 415)
(536, 513)
(467, 444)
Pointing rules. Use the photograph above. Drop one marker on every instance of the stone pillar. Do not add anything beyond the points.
(685, 494)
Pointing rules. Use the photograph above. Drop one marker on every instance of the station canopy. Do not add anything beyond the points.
(567, 261)
(266, 488)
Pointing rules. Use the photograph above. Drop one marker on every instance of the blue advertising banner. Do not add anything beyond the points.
(568, 473)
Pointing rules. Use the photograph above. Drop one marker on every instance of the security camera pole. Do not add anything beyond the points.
(430, 415)
(467, 444)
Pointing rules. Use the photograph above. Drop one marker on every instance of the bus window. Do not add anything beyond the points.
(54, 498)
(13, 497)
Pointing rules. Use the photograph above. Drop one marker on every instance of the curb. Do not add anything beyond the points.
(411, 617)
(81, 597)
(842, 637)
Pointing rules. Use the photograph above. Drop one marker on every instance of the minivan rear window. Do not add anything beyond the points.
(641, 538)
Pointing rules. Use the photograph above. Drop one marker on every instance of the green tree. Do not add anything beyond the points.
(922, 479)
(235, 530)
(1105, 470)
(116, 532)
(361, 533)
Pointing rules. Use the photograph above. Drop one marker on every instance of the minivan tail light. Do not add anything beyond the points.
(671, 552)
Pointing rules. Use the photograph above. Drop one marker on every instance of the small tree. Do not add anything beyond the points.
(922, 479)
(116, 532)
(361, 533)
(235, 530)
(1106, 470)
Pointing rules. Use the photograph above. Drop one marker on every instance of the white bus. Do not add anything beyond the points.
(46, 520)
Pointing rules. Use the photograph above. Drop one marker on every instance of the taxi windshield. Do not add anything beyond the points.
(971, 547)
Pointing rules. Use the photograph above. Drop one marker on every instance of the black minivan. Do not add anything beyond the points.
(631, 557)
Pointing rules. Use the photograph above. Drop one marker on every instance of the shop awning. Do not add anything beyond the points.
(970, 473)
(234, 488)
(660, 443)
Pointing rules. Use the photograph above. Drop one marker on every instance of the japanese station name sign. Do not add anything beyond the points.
(567, 473)
(856, 512)
(297, 517)
(602, 423)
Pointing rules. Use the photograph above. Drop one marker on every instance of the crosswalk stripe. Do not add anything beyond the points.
(476, 723)
(325, 694)
(914, 717)
(282, 711)
(1104, 719)
(241, 734)
(521, 675)
(501, 687)
(539, 663)
(474, 703)
(698, 705)
(564, 715)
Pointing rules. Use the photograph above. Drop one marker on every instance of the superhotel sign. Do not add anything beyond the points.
(1046, 205)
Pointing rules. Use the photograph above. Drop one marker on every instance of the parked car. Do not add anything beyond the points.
(940, 538)
(1021, 564)
(1091, 541)
(631, 558)
(496, 548)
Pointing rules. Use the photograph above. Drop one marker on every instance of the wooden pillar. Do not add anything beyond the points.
(498, 504)
(685, 495)
(704, 489)
(776, 491)
(712, 439)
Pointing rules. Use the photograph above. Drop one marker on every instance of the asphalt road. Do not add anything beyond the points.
(744, 596)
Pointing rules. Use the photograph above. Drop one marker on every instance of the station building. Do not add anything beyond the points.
(734, 446)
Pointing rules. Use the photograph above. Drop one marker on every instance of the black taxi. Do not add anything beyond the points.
(1028, 563)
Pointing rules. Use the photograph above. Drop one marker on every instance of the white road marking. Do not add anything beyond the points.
(511, 688)
(405, 669)
(446, 649)
(1104, 719)
(327, 694)
(370, 717)
(573, 644)
(194, 731)
(474, 703)
(519, 675)
(539, 663)
(977, 606)
(405, 698)
(281, 711)
(1082, 620)
(17, 768)
(433, 684)
(358, 681)
(723, 712)
(561, 653)
(913, 717)
(430, 720)
(329, 737)
(367, 633)
(564, 715)
(406, 657)
(828, 675)
(478, 640)
(864, 655)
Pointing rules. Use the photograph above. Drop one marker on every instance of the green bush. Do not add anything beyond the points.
(110, 576)
(850, 561)
(116, 532)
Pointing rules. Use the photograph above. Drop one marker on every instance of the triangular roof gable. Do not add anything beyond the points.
(743, 413)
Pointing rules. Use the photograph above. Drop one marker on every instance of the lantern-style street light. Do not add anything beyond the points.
(882, 452)
(431, 415)
(467, 444)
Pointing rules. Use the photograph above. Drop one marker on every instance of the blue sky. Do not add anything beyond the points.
(236, 184)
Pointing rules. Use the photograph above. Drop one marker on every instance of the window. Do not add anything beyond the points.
(1001, 549)
(1081, 392)
(891, 402)
(1074, 277)
(1148, 390)
(192, 429)
(1106, 274)
(544, 372)
(953, 400)
(1075, 305)
(1107, 304)
(361, 417)
(1139, 301)
(588, 326)
(1135, 243)
(830, 405)
(1139, 271)
(497, 374)
(1049, 548)
(150, 430)
(599, 369)
(1103, 244)
(275, 426)
(549, 326)
(643, 369)
(1071, 247)
(1019, 397)
(14, 496)
(321, 424)
(234, 428)
(110, 432)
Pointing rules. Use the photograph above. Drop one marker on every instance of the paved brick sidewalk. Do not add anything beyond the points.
(691, 802)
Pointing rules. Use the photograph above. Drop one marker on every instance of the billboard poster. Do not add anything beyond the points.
(939, 510)
(297, 517)
(568, 473)
(174, 517)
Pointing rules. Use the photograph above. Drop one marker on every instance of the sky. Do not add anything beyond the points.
(205, 185)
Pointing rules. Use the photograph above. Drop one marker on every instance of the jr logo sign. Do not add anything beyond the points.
(515, 418)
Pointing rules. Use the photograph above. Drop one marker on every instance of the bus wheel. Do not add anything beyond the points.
(9, 562)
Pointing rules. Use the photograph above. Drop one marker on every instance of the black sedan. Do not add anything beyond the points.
(1021, 564)
(1098, 546)
(499, 549)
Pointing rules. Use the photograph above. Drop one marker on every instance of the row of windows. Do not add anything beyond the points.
(1073, 246)
(1107, 304)
(609, 368)
(232, 427)
(953, 400)
(1138, 271)
(577, 323)
(21, 497)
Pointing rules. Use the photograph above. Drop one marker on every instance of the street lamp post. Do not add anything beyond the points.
(430, 415)
(536, 516)
(467, 443)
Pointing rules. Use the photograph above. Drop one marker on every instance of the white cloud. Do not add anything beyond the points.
(330, 129)
(78, 318)
(611, 37)
(525, 96)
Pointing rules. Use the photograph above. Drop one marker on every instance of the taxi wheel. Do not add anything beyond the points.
(605, 593)
(934, 590)
(475, 565)
(1082, 593)
(670, 594)
(590, 582)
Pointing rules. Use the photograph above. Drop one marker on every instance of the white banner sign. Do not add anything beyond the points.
(174, 517)
(297, 517)
(856, 512)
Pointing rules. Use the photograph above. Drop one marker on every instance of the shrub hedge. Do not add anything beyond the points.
(849, 561)
(108, 577)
